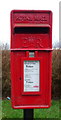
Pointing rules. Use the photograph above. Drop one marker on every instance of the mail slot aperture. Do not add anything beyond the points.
(31, 30)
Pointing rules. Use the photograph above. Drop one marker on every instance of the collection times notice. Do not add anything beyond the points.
(31, 76)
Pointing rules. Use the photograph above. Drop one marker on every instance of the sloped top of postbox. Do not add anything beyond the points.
(31, 18)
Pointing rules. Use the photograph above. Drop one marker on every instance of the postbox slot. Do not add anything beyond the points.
(31, 30)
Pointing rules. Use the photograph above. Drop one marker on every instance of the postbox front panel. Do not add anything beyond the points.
(31, 90)
(31, 43)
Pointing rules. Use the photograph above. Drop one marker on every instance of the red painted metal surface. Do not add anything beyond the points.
(31, 31)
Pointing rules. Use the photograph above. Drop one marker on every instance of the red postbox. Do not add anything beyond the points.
(31, 58)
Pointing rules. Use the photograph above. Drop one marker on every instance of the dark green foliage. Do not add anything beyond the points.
(6, 73)
(56, 73)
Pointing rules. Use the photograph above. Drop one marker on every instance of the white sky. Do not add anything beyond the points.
(7, 5)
